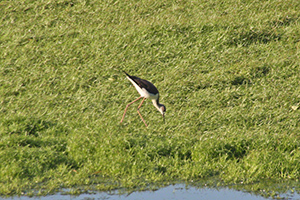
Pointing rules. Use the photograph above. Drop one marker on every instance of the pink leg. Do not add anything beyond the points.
(127, 107)
(138, 110)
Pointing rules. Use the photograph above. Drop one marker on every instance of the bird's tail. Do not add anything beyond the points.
(126, 73)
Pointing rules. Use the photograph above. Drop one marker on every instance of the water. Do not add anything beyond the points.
(174, 192)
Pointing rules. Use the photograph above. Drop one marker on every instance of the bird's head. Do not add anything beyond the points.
(162, 109)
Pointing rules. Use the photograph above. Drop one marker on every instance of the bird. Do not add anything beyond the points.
(147, 91)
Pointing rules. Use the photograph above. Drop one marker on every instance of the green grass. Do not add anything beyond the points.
(228, 73)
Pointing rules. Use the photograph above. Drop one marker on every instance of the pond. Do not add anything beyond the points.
(174, 192)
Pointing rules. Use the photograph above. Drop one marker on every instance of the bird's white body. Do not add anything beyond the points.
(142, 91)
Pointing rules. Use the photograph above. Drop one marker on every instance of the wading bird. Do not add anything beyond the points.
(147, 91)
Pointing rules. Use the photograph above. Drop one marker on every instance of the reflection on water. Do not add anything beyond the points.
(176, 192)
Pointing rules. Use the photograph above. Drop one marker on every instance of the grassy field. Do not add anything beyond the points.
(227, 71)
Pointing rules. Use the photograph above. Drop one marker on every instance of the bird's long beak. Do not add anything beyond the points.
(164, 117)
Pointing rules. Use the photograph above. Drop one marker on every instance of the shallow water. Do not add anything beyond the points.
(174, 192)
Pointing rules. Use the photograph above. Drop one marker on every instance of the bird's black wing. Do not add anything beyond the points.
(143, 84)
(146, 84)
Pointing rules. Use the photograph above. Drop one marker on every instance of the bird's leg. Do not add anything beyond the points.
(138, 110)
(128, 106)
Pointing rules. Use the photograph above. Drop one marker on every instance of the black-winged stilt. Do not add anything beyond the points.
(147, 91)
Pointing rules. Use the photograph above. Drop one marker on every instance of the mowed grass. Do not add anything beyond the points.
(228, 73)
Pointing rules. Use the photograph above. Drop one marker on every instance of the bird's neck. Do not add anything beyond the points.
(156, 103)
